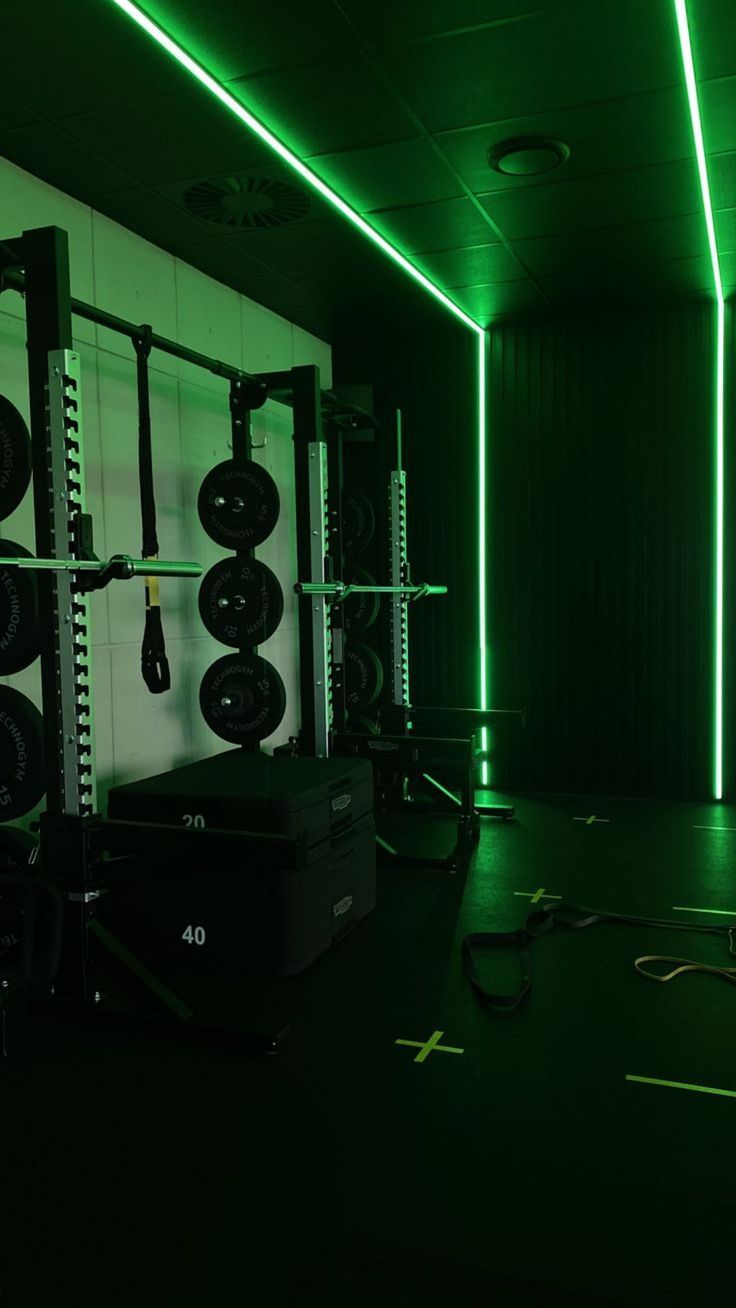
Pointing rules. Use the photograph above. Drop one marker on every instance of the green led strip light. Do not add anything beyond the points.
(215, 88)
(692, 95)
(482, 546)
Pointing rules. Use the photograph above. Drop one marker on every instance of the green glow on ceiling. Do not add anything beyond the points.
(215, 88)
(482, 544)
(692, 95)
(307, 174)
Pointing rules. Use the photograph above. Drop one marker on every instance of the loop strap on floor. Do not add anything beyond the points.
(542, 920)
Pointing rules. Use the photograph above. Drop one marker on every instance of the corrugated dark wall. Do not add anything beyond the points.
(601, 548)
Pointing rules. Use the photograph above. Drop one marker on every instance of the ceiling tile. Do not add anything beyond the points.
(725, 221)
(576, 54)
(235, 40)
(142, 210)
(221, 260)
(353, 107)
(613, 134)
(405, 172)
(471, 266)
(623, 249)
(718, 110)
(180, 136)
(611, 200)
(319, 319)
(722, 177)
(441, 226)
(304, 246)
(363, 292)
(49, 154)
(14, 114)
(486, 304)
(218, 258)
(665, 278)
(727, 262)
(412, 20)
(713, 37)
(68, 61)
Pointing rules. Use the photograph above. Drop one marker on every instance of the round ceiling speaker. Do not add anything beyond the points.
(528, 156)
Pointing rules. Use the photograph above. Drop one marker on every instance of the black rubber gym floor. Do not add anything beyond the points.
(139, 1168)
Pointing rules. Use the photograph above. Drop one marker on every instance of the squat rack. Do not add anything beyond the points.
(74, 840)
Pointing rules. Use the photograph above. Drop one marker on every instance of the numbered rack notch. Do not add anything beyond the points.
(399, 577)
(72, 651)
(321, 621)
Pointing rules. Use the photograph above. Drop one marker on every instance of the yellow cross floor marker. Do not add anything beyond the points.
(536, 895)
(431, 1044)
(590, 820)
(682, 1085)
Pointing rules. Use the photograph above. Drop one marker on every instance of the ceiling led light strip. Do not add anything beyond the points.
(180, 55)
(157, 34)
(692, 95)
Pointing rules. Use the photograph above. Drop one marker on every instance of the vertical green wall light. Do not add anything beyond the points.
(692, 95)
(483, 342)
(216, 89)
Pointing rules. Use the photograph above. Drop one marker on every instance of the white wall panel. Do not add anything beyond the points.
(138, 734)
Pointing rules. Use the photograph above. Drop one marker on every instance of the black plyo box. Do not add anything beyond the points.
(257, 906)
(310, 797)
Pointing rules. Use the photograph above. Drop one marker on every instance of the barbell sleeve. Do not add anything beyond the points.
(129, 567)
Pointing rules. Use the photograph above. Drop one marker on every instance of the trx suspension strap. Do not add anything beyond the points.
(542, 920)
(154, 664)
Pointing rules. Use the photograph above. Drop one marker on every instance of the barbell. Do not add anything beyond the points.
(121, 566)
(338, 591)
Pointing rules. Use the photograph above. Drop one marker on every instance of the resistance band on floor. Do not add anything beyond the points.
(540, 921)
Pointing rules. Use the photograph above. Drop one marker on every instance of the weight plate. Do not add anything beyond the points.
(19, 634)
(359, 612)
(242, 698)
(241, 602)
(15, 458)
(238, 504)
(358, 521)
(363, 675)
(22, 772)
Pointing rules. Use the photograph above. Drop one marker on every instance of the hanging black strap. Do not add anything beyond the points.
(154, 663)
(543, 919)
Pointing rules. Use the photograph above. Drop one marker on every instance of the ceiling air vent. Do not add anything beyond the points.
(247, 203)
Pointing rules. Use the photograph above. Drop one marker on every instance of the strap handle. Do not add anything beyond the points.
(154, 663)
(543, 919)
